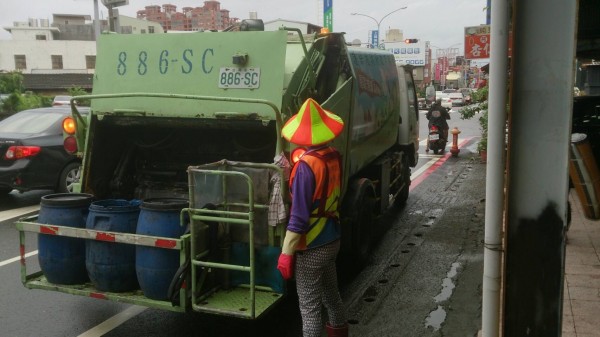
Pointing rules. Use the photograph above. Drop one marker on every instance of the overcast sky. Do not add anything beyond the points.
(441, 22)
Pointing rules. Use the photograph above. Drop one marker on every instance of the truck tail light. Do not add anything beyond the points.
(70, 144)
(19, 152)
(69, 125)
(297, 153)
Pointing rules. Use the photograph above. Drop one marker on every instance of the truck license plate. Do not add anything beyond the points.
(239, 78)
(434, 136)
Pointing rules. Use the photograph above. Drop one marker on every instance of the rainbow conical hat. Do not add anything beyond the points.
(312, 125)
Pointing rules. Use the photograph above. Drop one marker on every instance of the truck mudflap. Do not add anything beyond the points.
(232, 259)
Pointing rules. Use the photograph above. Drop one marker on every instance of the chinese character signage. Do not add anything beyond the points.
(477, 42)
(407, 53)
(328, 14)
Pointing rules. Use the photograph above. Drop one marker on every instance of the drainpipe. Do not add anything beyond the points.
(494, 193)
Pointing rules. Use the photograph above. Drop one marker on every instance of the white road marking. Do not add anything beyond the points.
(113, 322)
(423, 168)
(14, 213)
(15, 259)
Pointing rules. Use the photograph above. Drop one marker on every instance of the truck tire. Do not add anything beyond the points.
(362, 221)
(69, 175)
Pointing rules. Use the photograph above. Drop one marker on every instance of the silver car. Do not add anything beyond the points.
(456, 99)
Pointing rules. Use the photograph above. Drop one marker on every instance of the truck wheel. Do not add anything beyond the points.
(362, 222)
(69, 176)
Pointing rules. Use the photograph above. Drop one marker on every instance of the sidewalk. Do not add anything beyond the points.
(581, 308)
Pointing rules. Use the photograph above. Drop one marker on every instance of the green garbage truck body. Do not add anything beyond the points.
(199, 116)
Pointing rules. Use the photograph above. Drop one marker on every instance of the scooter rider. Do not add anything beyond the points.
(437, 115)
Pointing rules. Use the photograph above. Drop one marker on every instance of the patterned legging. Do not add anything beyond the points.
(316, 282)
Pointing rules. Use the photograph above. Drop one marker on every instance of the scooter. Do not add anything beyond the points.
(436, 140)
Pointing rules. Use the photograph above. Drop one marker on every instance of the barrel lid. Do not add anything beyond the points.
(115, 205)
(578, 137)
(67, 199)
(165, 204)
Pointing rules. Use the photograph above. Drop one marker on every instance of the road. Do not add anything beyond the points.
(423, 279)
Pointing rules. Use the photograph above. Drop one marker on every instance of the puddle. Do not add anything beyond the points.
(447, 284)
(438, 316)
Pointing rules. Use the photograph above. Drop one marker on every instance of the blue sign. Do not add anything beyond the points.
(375, 38)
(328, 14)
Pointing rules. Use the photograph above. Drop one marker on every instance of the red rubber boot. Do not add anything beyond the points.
(337, 332)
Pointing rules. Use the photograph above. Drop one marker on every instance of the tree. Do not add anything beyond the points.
(480, 105)
(78, 91)
(11, 82)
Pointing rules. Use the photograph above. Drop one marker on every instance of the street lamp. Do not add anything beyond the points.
(378, 22)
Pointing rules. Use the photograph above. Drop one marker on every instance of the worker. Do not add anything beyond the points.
(312, 238)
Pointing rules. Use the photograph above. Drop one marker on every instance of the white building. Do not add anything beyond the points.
(66, 46)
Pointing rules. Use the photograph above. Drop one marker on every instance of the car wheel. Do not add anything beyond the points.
(69, 176)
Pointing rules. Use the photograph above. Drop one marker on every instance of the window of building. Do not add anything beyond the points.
(20, 62)
(151, 29)
(57, 62)
(143, 31)
(40, 37)
(90, 61)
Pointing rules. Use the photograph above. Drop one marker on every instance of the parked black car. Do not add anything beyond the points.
(32, 155)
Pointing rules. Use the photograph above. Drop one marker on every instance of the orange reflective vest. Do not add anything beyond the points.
(325, 163)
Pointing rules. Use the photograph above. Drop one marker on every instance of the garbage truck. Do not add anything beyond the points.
(198, 117)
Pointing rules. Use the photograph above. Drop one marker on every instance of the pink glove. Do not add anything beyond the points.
(285, 264)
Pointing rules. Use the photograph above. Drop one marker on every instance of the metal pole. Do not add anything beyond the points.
(494, 194)
(96, 20)
(540, 120)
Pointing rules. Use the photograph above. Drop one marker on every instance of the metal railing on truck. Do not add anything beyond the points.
(222, 114)
(235, 192)
(37, 280)
(243, 300)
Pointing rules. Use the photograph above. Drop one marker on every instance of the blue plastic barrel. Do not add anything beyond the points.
(61, 258)
(111, 266)
(156, 267)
